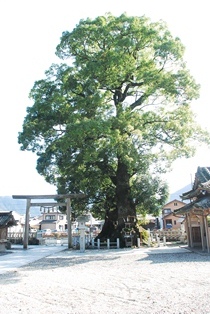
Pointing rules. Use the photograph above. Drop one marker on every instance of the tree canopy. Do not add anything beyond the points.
(114, 114)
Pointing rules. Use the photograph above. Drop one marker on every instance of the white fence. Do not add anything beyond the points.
(17, 237)
(106, 244)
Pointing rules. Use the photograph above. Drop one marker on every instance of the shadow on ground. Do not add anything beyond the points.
(55, 262)
(10, 277)
(185, 257)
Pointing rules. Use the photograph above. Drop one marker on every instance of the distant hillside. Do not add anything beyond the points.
(7, 203)
(176, 195)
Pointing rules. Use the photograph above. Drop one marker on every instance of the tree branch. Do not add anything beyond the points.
(138, 102)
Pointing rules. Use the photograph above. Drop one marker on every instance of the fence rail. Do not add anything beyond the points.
(170, 235)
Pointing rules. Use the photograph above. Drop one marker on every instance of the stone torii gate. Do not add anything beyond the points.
(29, 204)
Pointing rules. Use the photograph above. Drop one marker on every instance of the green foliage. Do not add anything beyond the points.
(115, 115)
(142, 221)
(149, 193)
(145, 236)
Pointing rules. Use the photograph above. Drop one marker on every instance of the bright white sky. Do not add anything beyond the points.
(29, 34)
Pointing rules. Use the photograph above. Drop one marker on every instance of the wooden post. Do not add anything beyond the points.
(202, 232)
(207, 233)
(187, 229)
(190, 242)
(68, 209)
(26, 233)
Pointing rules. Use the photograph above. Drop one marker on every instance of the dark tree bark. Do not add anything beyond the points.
(125, 213)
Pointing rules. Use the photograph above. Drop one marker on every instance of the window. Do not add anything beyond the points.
(175, 222)
(61, 217)
(175, 204)
(50, 217)
(168, 223)
(167, 210)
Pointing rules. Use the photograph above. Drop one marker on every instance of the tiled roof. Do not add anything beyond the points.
(203, 174)
(190, 194)
(6, 219)
(206, 185)
(202, 204)
(201, 184)
(200, 193)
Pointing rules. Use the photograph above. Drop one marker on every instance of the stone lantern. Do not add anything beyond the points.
(81, 226)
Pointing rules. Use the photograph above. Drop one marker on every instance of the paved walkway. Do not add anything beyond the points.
(17, 256)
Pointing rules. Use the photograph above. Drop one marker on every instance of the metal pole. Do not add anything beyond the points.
(26, 233)
(68, 209)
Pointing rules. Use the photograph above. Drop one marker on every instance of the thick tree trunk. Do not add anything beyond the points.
(123, 197)
(125, 214)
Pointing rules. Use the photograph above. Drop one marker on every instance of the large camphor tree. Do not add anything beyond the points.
(112, 117)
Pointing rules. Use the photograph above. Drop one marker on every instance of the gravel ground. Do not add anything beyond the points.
(121, 281)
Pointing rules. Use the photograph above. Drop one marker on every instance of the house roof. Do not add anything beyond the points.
(48, 221)
(167, 215)
(173, 201)
(7, 219)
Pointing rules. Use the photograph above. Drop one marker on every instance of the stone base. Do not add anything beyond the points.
(3, 245)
